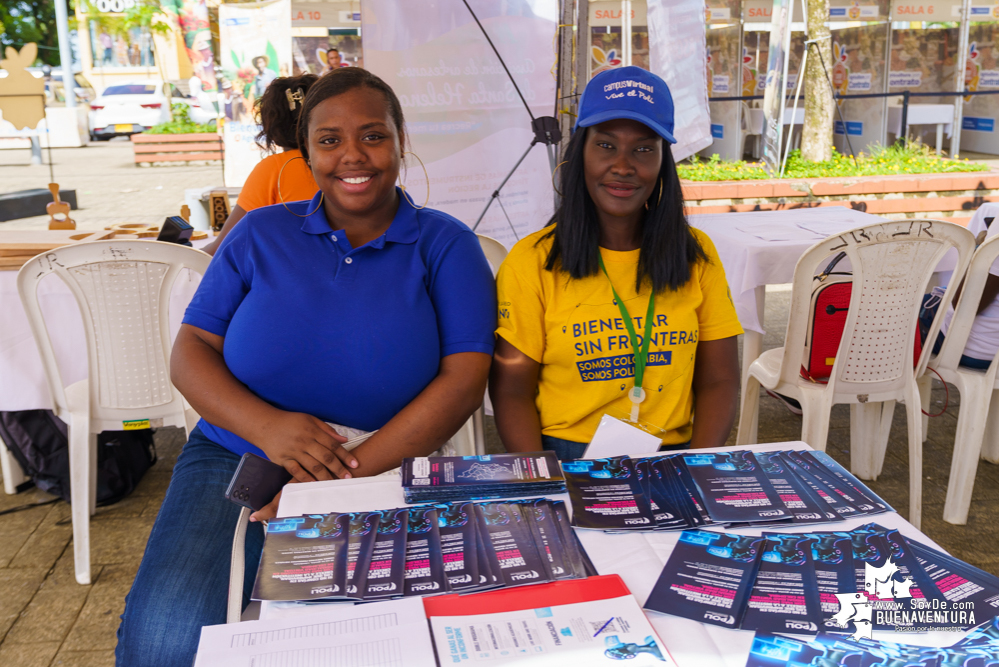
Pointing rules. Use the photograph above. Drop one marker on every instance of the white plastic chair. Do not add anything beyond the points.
(470, 440)
(123, 291)
(978, 390)
(892, 265)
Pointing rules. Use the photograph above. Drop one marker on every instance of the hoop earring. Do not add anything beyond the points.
(557, 167)
(322, 196)
(408, 197)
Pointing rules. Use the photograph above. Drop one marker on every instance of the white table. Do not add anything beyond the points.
(941, 115)
(986, 210)
(637, 557)
(756, 119)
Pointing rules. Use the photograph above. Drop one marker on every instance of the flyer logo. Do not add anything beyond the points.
(720, 618)
(524, 575)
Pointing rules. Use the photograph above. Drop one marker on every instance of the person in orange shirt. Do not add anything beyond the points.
(284, 176)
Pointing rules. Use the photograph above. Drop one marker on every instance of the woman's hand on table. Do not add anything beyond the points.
(306, 447)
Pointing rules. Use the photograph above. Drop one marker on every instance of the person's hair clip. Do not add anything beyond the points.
(293, 97)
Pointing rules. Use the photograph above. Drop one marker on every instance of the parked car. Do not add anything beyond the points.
(84, 92)
(125, 109)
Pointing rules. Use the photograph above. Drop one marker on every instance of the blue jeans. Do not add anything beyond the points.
(183, 581)
(567, 450)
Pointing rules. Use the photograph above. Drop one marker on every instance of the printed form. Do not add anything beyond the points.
(571, 635)
(381, 634)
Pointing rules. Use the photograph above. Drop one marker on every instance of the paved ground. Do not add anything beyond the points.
(109, 187)
(47, 619)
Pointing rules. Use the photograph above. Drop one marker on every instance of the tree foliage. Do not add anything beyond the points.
(23, 21)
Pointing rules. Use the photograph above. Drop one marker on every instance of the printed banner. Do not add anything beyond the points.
(923, 61)
(463, 116)
(192, 17)
(723, 81)
(981, 112)
(255, 42)
(684, 70)
(858, 69)
(773, 93)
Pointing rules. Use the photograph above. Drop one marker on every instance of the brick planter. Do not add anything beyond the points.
(176, 147)
(952, 197)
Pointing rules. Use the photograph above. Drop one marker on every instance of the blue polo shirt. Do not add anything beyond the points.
(349, 335)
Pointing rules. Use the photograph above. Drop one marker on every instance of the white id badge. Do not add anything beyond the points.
(622, 437)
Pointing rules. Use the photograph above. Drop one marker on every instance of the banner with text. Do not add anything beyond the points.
(979, 130)
(859, 69)
(464, 118)
(255, 42)
(773, 91)
(683, 69)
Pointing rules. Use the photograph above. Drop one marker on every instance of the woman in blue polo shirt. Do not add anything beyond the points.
(358, 308)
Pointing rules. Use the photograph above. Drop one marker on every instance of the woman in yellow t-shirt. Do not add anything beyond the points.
(576, 298)
(267, 184)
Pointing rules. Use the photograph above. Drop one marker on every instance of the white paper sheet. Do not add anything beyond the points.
(381, 634)
(570, 635)
(617, 438)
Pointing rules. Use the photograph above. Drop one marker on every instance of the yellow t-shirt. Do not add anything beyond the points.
(576, 332)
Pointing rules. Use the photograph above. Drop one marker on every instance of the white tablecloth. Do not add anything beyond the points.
(22, 379)
(921, 114)
(986, 210)
(757, 118)
(762, 247)
(637, 557)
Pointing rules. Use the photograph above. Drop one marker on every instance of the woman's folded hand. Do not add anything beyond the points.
(307, 447)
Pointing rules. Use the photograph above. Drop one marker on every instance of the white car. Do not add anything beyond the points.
(125, 109)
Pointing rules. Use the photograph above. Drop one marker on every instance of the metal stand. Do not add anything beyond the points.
(546, 131)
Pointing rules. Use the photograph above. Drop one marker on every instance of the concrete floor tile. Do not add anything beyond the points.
(84, 659)
(48, 541)
(37, 654)
(17, 588)
(97, 623)
(17, 528)
(119, 540)
(50, 615)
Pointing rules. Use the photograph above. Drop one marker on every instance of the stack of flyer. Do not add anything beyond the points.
(451, 478)
(424, 550)
(738, 488)
(804, 583)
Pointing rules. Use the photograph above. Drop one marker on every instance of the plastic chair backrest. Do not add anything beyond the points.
(494, 250)
(967, 307)
(892, 265)
(123, 291)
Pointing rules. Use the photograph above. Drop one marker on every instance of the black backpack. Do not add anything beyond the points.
(38, 440)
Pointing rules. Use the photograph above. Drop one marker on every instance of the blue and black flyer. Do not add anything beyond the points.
(734, 488)
(606, 494)
(708, 577)
(959, 582)
(363, 531)
(820, 489)
(665, 508)
(459, 546)
(519, 560)
(424, 559)
(452, 478)
(799, 500)
(862, 504)
(849, 479)
(387, 568)
(304, 558)
(832, 558)
(785, 596)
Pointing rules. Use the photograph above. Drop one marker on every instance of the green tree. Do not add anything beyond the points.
(23, 21)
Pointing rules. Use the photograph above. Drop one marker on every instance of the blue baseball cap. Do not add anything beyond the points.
(628, 92)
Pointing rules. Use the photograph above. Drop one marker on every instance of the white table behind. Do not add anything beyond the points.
(941, 115)
(637, 558)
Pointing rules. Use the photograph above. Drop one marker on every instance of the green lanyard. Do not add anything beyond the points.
(637, 394)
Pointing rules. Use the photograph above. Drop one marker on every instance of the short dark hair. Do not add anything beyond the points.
(332, 48)
(669, 247)
(278, 121)
(338, 82)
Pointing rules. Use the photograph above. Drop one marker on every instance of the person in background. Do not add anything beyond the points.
(293, 340)
(617, 264)
(264, 76)
(232, 101)
(333, 61)
(108, 45)
(283, 176)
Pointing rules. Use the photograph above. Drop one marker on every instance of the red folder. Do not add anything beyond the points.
(573, 591)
